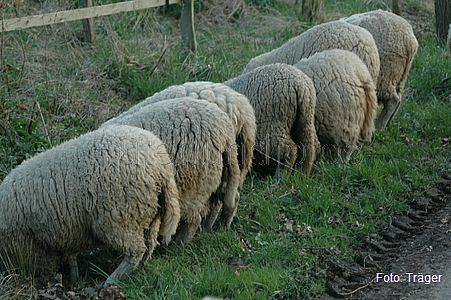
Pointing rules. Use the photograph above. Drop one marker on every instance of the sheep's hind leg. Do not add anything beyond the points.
(228, 211)
(129, 241)
(389, 111)
(215, 208)
(127, 264)
(288, 152)
(231, 195)
(73, 266)
(151, 236)
(186, 230)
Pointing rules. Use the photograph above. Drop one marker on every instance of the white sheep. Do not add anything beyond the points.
(346, 101)
(113, 187)
(284, 100)
(200, 139)
(397, 47)
(326, 36)
(233, 103)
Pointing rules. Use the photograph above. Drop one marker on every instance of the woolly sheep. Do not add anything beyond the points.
(346, 100)
(326, 36)
(234, 104)
(199, 137)
(113, 187)
(284, 101)
(397, 47)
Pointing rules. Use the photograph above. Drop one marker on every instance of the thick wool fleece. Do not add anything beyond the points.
(200, 139)
(397, 46)
(346, 100)
(113, 187)
(236, 105)
(327, 36)
(284, 102)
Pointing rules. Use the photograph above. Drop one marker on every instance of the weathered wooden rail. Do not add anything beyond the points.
(87, 13)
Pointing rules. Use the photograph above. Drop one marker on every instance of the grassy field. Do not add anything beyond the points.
(53, 87)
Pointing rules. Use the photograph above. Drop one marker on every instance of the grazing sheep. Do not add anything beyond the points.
(199, 137)
(346, 100)
(284, 101)
(330, 35)
(397, 47)
(113, 187)
(234, 104)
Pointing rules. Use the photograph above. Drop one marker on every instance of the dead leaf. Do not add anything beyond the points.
(238, 263)
(301, 230)
(288, 225)
(109, 292)
(245, 243)
(133, 61)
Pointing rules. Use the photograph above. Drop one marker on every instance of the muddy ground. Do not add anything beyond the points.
(411, 260)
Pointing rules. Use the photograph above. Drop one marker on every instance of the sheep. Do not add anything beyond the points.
(397, 47)
(113, 187)
(200, 140)
(326, 36)
(284, 102)
(346, 102)
(236, 105)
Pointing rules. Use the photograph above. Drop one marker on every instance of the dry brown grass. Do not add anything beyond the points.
(12, 288)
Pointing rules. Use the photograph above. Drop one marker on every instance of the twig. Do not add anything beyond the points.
(275, 160)
(43, 122)
(7, 134)
(245, 286)
(358, 289)
(2, 50)
(159, 59)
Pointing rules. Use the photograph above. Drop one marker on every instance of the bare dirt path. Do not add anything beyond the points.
(412, 260)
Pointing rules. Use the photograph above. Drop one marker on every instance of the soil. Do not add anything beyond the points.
(411, 260)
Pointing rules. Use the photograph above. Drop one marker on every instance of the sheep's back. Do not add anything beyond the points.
(346, 101)
(196, 134)
(68, 199)
(397, 46)
(236, 105)
(278, 93)
(284, 99)
(327, 36)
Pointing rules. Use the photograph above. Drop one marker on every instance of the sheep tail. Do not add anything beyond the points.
(370, 110)
(304, 134)
(170, 216)
(231, 195)
(245, 152)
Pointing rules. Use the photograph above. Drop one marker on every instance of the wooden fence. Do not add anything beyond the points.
(87, 13)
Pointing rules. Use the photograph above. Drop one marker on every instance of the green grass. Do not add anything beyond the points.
(286, 231)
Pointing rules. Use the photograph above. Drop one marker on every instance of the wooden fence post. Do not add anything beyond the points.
(187, 25)
(88, 24)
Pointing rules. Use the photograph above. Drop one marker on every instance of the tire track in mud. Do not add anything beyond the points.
(410, 260)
